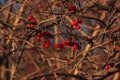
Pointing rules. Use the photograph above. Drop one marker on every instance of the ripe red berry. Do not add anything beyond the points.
(57, 45)
(33, 21)
(30, 25)
(107, 67)
(71, 44)
(39, 34)
(30, 17)
(62, 45)
(46, 34)
(49, 34)
(43, 33)
(46, 44)
(71, 8)
(112, 64)
(76, 27)
(76, 46)
(67, 42)
(118, 48)
(74, 22)
(38, 38)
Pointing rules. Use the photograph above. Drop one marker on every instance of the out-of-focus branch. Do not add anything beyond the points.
(20, 13)
(59, 74)
(3, 8)
(109, 74)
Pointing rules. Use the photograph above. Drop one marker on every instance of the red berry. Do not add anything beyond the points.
(76, 27)
(46, 34)
(71, 44)
(49, 35)
(118, 48)
(39, 34)
(112, 64)
(30, 26)
(107, 67)
(74, 22)
(33, 21)
(43, 33)
(62, 45)
(30, 17)
(48, 42)
(71, 8)
(67, 42)
(76, 46)
(38, 38)
(57, 45)
(46, 45)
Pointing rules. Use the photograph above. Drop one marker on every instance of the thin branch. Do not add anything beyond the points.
(60, 74)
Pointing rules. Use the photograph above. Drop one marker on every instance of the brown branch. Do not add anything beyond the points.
(109, 74)
(60, 74)
(103, 7)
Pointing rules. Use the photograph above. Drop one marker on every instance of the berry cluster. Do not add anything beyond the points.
(75, 24)
(32, 22)
(46, 43)
(60, 45)
(75, 46)
(38, 36)
(71, 8)
(107, 67)
(44, 34)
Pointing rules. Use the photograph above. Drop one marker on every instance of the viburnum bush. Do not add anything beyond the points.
(60, 40)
